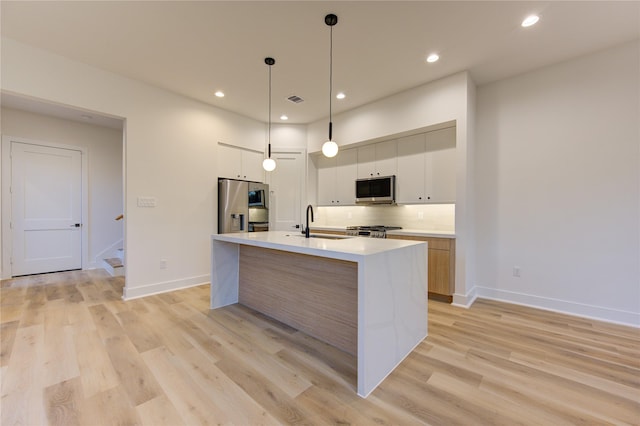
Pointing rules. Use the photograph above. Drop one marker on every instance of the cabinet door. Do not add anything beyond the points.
(410, 176)
(439, 279)
(229, 162)
(366, 161)
(440, 166)
(440, 266)
(252, 166)
(386, 156)
(377, 160)
(326, 180)
(346, 174)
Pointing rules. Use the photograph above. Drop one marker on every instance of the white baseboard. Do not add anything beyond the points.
(599, 313)
(134, 292)
(465, 300)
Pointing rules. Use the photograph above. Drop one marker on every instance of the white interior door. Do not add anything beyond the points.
(286, 184)
(46, 209)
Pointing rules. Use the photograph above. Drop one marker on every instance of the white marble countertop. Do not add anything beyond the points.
(347, 248)
(404, 231)
(422, 233)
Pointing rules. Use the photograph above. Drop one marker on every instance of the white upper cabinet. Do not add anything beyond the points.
(366, 161)
(440, 165)
(326, 180)
(427, 168)
(424, 165)
(377, 160)
(252, 165)
(410, 182)
(346, 175)
(336, 179)
(229, 162)
(238, 163)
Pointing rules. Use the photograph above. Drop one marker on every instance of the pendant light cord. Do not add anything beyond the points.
(330, 80)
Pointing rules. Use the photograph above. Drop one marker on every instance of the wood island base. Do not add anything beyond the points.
(316, 295)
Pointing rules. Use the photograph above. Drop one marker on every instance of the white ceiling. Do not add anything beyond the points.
(196, 48)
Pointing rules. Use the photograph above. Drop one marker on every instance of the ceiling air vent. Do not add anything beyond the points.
(295, 99)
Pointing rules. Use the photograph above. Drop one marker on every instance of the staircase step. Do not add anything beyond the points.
(114, 266)
(114, 262)
(120, 254)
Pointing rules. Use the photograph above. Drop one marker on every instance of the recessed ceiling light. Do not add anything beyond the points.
(341, 95)
(432, 58)
(530, 20)
(86, 117)
(284, 117)
(220, 94)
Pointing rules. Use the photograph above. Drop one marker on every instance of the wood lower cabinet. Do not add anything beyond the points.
(441, 266)
(441, 263)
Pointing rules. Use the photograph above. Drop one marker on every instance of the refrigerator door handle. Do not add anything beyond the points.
(241, 222)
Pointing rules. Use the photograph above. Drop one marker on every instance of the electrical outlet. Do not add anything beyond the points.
(516, 271)
(147, 201)
(349, 215)
(163, 263)
(420, 215)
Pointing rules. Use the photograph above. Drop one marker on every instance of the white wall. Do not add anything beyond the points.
(557, 185)
(104, 148)
(441, 101)
(170, 154)
(289, 136)
(437, 102)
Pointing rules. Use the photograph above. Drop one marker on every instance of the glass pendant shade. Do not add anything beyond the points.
(269, 164)
(330, 149)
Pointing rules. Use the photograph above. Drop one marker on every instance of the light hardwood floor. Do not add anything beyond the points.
(74, 353)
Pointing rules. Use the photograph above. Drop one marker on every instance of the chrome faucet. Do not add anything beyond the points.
(306, 230)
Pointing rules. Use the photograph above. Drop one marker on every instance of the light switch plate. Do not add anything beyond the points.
(147, 201)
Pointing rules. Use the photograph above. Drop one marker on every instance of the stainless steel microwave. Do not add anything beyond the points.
(377, 190)
(258, 195)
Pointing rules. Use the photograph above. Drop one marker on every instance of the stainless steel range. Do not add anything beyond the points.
(372, 231)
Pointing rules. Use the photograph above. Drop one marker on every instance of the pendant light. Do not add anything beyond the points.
(330, 148)
(269, 164)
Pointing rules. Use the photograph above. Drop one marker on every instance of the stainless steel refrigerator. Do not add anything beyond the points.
(242, 206)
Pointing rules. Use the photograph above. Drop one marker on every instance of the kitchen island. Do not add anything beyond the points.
(366, 296)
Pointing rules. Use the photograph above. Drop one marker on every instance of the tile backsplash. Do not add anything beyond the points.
(429, 217)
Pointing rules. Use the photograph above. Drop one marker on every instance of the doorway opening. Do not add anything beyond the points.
(62, 180)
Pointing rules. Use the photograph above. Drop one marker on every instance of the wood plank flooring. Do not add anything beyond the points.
(73, 353)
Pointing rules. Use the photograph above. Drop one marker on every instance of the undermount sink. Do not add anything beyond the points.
(323, 236)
